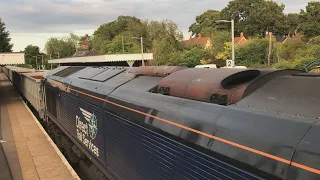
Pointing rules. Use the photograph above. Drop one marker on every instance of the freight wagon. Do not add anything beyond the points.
(184, 123)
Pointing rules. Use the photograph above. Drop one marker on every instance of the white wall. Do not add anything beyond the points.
(11, 58)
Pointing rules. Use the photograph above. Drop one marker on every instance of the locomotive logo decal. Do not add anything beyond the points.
(87, 129)
(91, 118)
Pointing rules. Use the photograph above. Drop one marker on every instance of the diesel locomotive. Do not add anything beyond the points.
(155, 123)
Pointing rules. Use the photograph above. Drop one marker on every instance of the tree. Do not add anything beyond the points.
(219, 39)
(310, 20)
(165, 29)
(106, 32)
(206, 23)
(29, 54)
(72, 39)
(292, 21)
(255, 17)
(115, 46)
(163, 52)
(64, 47)
(164, 39)
(5, 45)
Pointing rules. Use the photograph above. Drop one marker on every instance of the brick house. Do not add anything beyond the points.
(240, 40)
(207, 43)
(284, 39)
(198, 40)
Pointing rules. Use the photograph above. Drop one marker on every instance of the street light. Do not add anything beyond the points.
(232, 34)
(141, 48)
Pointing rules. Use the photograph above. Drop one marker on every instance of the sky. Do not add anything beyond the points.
(35, 21)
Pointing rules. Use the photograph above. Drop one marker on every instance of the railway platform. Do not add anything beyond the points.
(26, 151)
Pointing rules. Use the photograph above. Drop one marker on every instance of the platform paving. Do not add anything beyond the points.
(26, 150)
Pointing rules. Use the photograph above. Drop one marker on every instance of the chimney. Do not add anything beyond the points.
(241, 34)
(267, 34)
(84, 45)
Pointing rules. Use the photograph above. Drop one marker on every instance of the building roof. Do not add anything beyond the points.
(238, 40)
(296, 36)
(283, 39)
(199, 40)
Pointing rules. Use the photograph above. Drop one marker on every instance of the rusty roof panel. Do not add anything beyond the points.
(158, 71)
(221, 86)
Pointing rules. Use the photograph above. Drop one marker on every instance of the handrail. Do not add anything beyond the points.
(308, 67)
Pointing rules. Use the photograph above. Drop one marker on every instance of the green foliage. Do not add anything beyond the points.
(5, 45)
(72, 38)
(29, 54)
(64, 47)
(164, 37)
(206, 23)
(219, 40)
(292, 22)
(287, 51)
(299, 63)
(310, 20)
(108, 31)
(191, 57)
(163, 52)
(226, 54)
(314, 41)
(283, 65)
(255, 51)
(158, 30)
(255, 17)
(115, 46)
(296, 53)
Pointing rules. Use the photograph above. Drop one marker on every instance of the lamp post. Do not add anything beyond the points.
(232, 34)
(141, 38)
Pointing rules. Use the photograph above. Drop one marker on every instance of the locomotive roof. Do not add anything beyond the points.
(279, 90)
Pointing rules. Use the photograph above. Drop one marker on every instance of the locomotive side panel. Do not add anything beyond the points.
(306, 160)
(135, 152)
(84, 123)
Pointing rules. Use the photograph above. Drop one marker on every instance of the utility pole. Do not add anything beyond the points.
(142, 58)
(142, 51)
(50, 63)
(42, 65)
(232, 32)
(270, 48)
(122, 45)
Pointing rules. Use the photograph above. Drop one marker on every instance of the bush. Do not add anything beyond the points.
(190, 58)
(254, 52)
(283, 65)
(288, 51)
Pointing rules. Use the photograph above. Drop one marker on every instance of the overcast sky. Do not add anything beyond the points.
(34, 21)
